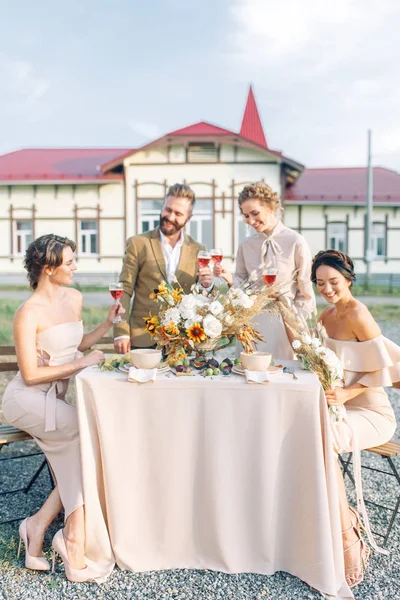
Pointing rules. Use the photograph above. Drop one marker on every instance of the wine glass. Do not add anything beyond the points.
(116, 291)
(216, 255)
(203, 258)
(269, 275)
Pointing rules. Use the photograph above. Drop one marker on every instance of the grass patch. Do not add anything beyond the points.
(92, 317)
(375, 290)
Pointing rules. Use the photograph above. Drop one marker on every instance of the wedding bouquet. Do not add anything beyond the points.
(202, 321)
(316, 357)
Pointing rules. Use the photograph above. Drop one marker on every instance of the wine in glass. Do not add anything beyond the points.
(269, 275)
(116, 291)
(203, 258)
(216, 255)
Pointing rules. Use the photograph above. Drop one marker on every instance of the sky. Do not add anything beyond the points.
(120, 73)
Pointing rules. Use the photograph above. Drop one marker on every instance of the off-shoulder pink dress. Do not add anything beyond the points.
(374, 364)
(41, 411)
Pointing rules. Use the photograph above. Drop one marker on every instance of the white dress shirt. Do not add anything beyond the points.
(171, 255)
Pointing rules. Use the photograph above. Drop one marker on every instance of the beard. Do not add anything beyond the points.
(173, 229)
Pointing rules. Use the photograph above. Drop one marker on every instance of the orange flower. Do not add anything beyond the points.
(177, 294)
(196, 333)
(172, 329)
(152, 323)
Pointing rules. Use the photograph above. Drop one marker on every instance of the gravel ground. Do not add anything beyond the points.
(382, 579)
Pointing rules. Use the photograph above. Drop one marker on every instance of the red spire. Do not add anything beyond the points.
(252, 128)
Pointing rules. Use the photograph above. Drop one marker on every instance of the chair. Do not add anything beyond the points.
(387, 451)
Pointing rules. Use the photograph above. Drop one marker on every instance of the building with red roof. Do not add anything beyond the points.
(99, 197)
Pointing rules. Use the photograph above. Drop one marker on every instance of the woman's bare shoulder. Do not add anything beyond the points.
(73, 295)
(363, 323)
(326, 313)
(28, 311)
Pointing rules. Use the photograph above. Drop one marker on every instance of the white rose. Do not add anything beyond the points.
(306, 339)
(319, 350)
(315, 343)
(296, 344)
(331, 359)
(215, 308)
(188, 302)
(192, 318)
(200, 300)
(172, 315)
(212, 327)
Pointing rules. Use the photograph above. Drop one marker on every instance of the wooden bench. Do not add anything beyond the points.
(387, 451)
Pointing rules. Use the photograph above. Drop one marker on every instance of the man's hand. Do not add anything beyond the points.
(205, 277)
(123, 345)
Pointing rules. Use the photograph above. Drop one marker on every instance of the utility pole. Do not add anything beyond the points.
(368, 257)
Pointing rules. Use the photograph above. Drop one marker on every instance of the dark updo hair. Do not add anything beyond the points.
(335, 259)
(45, 251)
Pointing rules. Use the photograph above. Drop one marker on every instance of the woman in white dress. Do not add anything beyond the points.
(49, 338)
(370, 362)
(278, 246)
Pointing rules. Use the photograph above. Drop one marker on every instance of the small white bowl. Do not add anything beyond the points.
(258, 361)
(145, 358)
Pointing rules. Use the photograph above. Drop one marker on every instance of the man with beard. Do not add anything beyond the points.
(159, 255)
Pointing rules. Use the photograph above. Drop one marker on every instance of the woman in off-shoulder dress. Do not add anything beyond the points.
(48, 334)
(371, 362)
(277, 247)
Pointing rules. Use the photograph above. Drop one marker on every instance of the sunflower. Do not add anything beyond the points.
(172, 329)
(152, 323)
(196, 333)
(161, 289)
(177, 294)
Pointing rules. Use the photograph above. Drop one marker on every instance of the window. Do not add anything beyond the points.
(198, 152)
(149, 214)
(89, 237)
(23, 235)
(200, 226)
(378, 239)
(337, 234)
(243, 231)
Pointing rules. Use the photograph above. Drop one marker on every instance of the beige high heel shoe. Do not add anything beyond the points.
(36, 563)
(364, 556)
(358, 525)
(77, 575)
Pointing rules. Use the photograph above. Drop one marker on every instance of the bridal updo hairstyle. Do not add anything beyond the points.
(335, 259)
(263, 193)
(45, 251)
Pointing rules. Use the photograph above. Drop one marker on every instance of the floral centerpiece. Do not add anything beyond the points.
(202, 321)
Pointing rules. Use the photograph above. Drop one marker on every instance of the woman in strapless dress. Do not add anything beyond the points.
(370, 362)
(49, 339)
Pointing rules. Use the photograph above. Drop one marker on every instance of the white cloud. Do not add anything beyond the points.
(22, 85)
(148, 131)
(323, 71)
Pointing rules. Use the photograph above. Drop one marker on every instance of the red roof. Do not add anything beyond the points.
(78, 164)
(344, 185)
(202, 128)
(252, 128)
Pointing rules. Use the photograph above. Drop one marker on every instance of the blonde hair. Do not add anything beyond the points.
(262, 192)
(181, 190)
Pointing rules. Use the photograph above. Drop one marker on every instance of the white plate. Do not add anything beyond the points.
(272, 370)
(125, 369)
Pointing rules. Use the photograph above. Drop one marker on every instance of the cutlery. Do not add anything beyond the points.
(290, 370)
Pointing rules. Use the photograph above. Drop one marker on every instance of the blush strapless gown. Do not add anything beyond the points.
(41, 411)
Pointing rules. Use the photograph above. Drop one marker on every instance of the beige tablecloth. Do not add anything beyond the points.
(211, 473)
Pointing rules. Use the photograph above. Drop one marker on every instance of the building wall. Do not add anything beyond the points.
(117, 209)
